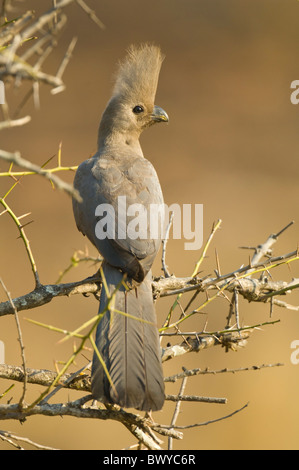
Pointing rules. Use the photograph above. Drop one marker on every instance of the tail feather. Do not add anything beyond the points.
(129, 347)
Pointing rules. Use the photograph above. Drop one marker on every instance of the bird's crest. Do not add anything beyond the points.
(137, 76)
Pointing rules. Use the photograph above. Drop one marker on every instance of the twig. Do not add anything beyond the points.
(228, 339)
(212, 420)
(137, 425)
(90, 13)
(192, 372)
(10, 437)
(45, 377)
(14, 122)
(45, 293)
(21, 400)
(64, 64)
(25, 241)
(73, 378)
(21, 162)
(177, 410)
(266, 248)
(195, 398)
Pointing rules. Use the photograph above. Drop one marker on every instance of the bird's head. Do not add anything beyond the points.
(131, 108)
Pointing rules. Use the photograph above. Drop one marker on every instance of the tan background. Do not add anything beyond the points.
(231, 144)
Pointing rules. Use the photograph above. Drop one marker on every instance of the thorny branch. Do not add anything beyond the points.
(25, 44)
(258, 290)
(21, 162)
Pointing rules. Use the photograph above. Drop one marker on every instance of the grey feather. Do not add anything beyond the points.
(129, 346)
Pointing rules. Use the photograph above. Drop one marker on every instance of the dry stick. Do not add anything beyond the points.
(44, 19)
(212, 420)
(265, 249)
(218, 271)
(66, 58)
(142, 437)
(21, 401)
(64, 64)
(48, 37)
(45, 377)
(10, 438)
(66, 382)
(204, 333)
(91, 13)
(45, 293)
(18, 67)
(196, 398)
(81, 382)
(231, 310)
(176, 411)
(236, 307)
(14, 122)
(198, 371)
(230, 338)
(11, 28)
(77, 381)
(136, 424)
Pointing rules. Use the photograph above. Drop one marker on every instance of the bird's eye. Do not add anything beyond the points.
(138, 109)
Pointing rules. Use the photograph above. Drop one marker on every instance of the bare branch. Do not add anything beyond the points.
(44, 294)
(14, 122)
(90, 13)
(192, 372)
(11, 438)
(21, 401)
(180, 397)
(211, 421)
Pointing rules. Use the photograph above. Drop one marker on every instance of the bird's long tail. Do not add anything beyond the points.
(128, 345)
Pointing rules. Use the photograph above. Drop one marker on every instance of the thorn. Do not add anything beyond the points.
(218, 264)
(285, 228)
(22, 226)
(24, 215)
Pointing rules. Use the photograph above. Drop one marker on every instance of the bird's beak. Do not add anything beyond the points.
(159, 115)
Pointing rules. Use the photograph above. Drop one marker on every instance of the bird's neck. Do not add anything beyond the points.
(115, 133)
(120, 141)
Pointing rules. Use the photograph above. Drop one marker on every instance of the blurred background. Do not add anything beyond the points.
(231, 144)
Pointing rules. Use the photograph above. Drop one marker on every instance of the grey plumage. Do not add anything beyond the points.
(128, 346)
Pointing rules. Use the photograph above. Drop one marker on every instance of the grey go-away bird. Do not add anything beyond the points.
(126, 367)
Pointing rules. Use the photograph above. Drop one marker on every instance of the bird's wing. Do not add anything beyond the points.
(115, 181)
